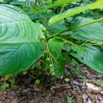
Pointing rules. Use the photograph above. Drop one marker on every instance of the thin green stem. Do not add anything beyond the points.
(47, 49)
(81, 25)
(69, 42)
(88, 23)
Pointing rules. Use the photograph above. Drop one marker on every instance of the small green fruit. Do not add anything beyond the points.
(47, 59)
(45, 52)
(43, 29)
(51, 65)
(37, 81)
(53, 74)
(42, 37)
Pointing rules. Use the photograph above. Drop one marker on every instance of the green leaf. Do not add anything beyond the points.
(57, 27)
(59, 68)
(67, 48)
(91, 32)
(67, 13)
(96, 5)
(88, 22)
(41, 15)
(55, 46)
(91, 56)
(79, 21)
(20, 46)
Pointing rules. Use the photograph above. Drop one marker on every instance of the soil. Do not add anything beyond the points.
(79, 86)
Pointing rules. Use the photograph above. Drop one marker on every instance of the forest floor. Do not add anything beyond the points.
(76, 86)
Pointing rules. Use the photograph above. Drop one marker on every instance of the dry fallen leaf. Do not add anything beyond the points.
(94, 88)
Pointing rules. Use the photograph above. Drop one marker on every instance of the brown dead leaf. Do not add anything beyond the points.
(94, 88)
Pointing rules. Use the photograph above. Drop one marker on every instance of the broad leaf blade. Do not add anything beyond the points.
(57, 27)
(96, 5)
(59, 68)
(15, 26)
(19, 40)
(16, 58)
(91, 56)
(66, 14)
(55, 46)
(92, 32)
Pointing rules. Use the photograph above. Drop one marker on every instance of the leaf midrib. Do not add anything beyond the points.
(13, 54)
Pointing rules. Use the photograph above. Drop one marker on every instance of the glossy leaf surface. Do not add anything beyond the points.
(19, 40)
(92, 32)
(96, 5)
(91, 56)
(55, 46)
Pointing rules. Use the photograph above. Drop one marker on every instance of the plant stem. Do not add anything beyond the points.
(88, 23)
(69, 42)
(81, 25)
(47, 49)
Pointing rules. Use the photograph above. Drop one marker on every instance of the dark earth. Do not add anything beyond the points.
(79, 85)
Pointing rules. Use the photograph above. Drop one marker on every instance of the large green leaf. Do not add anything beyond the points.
(92, 32)
(66, 14)
(96, 5)
(57, 27)
(59, 68)
(55, 46)
(91, 56)
(20, 46)
(41, 15)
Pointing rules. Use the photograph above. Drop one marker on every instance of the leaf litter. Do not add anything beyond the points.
(82, 87)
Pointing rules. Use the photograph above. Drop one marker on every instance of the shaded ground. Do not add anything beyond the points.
(77, 86)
